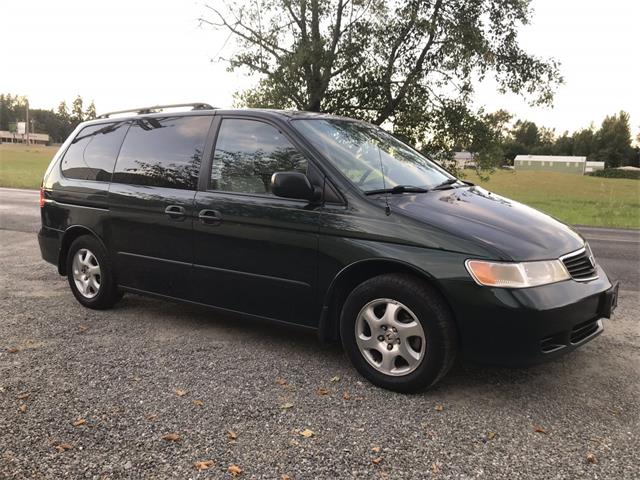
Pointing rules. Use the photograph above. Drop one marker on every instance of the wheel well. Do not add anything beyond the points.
(67, 239)
(350, 278)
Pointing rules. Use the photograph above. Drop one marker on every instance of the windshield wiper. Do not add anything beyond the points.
(446, 183)
(397, 189)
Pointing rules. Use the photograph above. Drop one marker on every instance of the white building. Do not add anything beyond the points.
(551, 163)
(593, 166)
(464, 159)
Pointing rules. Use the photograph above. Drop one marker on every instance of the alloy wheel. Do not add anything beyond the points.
(390, 337)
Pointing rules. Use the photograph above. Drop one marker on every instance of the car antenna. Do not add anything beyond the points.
(387, 208)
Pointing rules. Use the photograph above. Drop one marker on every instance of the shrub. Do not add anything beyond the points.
(615, 173)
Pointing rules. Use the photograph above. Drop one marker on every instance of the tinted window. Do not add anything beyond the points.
(247, 154)
(93, 152)
(163, 152)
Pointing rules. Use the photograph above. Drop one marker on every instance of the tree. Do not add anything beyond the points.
(583, 142)
(613, 141)
(77, 113)
(90, 112)
(408, 64)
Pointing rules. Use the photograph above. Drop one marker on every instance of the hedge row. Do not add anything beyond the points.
(614, 173)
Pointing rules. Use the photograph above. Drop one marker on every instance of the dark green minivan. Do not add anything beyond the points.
(323, 222)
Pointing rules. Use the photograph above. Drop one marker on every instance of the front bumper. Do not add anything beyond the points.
(522, 327)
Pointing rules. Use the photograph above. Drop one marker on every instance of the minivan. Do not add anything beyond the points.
(323, 222)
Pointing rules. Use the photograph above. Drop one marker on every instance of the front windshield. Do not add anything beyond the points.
(362, 152)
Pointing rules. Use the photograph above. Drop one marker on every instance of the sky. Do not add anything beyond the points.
(134, 53)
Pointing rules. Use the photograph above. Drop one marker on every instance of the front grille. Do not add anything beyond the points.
(584, 330)
(581, 265)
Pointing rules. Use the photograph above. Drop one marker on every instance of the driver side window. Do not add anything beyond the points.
(247, 154)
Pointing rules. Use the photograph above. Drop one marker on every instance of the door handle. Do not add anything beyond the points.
(175, 212)
(210, 217)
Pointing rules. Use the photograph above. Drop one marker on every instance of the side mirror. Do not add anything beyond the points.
(292, 185)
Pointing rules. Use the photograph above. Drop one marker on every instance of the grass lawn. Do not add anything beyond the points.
(22, 166)
(575, 199)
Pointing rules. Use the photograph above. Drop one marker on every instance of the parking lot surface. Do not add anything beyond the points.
(89, 394)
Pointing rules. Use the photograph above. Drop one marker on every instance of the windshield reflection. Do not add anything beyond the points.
(370, 157)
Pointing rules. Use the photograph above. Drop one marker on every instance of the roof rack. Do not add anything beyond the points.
(141, 111)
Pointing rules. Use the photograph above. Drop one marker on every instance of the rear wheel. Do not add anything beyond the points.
(90, 274)
(398, 332)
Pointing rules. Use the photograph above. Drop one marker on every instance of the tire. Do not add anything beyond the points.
(402, 361)
(99, 291)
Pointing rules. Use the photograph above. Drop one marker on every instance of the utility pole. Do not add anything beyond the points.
(27, 119)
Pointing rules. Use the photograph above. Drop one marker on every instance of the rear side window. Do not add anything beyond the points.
(163, 152)
(93, 152)
(247, 154)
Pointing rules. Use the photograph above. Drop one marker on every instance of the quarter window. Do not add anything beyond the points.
(163, 152)
(247, 154)
(93, 152)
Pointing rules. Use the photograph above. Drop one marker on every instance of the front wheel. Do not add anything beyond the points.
(398, 332)
(90, 274)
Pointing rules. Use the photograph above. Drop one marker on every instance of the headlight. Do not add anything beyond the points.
(516, 275)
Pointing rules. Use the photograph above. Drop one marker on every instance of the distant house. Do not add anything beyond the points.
(551, 163)
(464, 159)
(593, 166)
(34, 138)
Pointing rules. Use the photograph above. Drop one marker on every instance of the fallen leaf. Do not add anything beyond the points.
(284, 476)
(306, 433)
(234, 470)
(376, 449)
(435, 467)
(335, 379)
(322, 391)
(439, 408)
(539, 429)
(491, 435)
(286, 405)
(180, 392)
(591, 458)
(281, 381)
(198, 403)
(153, 416)
(231, 435)
(204, 465)
(171, 437)
(377, 460)
(24, 408)
(63, 447)
(24, 396)
(78, 422)
(83, 328)
(12, 350)
(346, 396)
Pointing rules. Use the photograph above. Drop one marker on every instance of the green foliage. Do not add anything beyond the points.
(57, 124)
(615, 173)
(405, 64)
(613, 141)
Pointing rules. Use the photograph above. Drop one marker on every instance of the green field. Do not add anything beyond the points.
(575, 199)
(22, 166)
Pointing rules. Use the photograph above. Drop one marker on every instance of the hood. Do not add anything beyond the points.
(511, 229)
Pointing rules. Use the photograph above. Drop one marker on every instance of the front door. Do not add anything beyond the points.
(254, 252)
(151, 203)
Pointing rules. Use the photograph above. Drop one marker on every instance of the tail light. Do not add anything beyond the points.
(41, 196)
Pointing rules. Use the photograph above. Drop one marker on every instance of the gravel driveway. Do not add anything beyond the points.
(86, 394)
